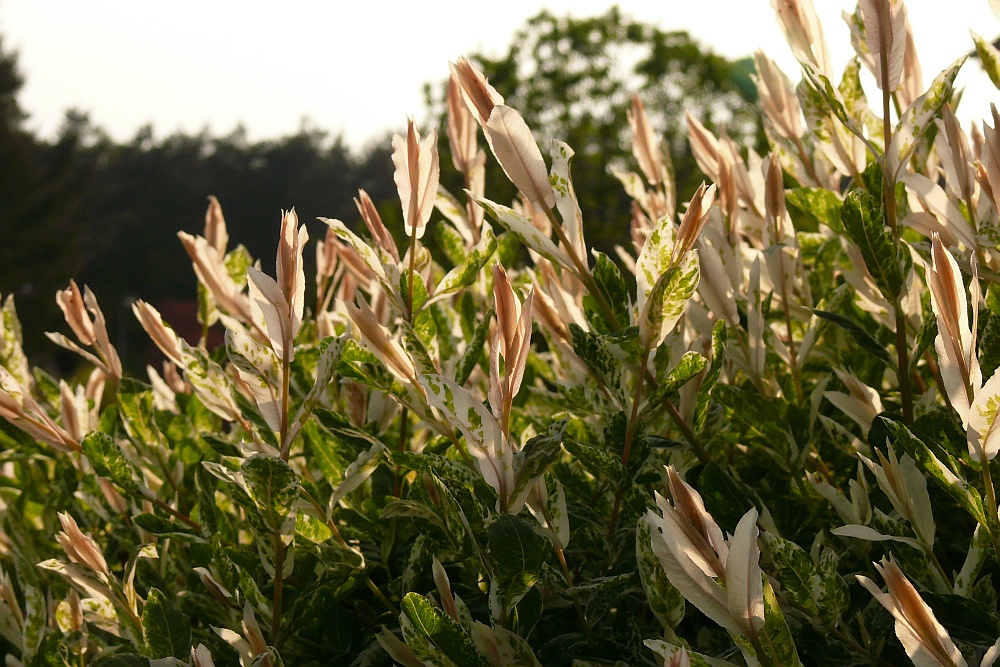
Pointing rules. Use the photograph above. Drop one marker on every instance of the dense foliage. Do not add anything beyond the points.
(763, 434)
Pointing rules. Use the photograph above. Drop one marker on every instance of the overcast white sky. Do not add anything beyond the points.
(357, 68)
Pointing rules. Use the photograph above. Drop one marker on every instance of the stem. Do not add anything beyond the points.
(286, 366)
(413, 264)
(629, 436)
(903, 360)
(991, 501)
(404, 420)
(176, 514)
(889, 195)
(279, 565)
(796, 371)
(583, 273)
(806, 162)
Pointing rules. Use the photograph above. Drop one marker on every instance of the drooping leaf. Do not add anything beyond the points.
(858, 333)
(516, 554)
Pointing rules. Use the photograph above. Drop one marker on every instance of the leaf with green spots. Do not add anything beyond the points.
(165, 629)
(686, 369)
(887, 260)
(516, 554)
(473, 350)
(468, 271)
(435, 637)
(615, 291)
(814, 206)
(663, 598)
(664, 283)
(534, 458)
(274, 488)
(920, 116)
(522, 229)
(108, 461)
(817, 589)
(989, 57)
(596, 354)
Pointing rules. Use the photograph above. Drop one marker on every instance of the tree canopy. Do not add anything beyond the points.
(572, 78)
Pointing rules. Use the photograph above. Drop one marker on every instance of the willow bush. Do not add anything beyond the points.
(762, 434)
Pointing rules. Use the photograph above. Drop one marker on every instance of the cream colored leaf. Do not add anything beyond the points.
(518, 154)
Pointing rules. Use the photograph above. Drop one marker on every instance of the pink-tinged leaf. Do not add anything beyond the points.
(270, 311)
(924, 639)
(376, 338)
(416, 176)
(518, 154)
(885, 29)
(744, 587)
(803, 32)
(984, 429)
(698, 588)
(260, 369)
(215, 226)
(954, 343)
(871, 535)
(480, 96)
(290, 275)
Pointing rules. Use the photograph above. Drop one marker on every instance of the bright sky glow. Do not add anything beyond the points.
(358, 68)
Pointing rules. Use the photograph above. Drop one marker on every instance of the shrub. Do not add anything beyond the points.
(712, 451)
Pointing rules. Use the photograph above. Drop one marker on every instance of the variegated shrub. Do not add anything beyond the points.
(762, 434)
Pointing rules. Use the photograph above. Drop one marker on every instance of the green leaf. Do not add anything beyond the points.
(536, 456)
(595, 353)
(467, 272)
(165, 630)
(516, 555)
(776, 637)
(613, 288)
(473, 350)
(522, 229)
(108, 461)
(158, 525)
(989, 58)
(686, 369)
(664, 599)
(720, 335)
(814, 206)
(886, 260)
(435, 637)
(858, 333)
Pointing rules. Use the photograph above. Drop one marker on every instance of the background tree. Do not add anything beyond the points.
(572, 78)
(40, 187)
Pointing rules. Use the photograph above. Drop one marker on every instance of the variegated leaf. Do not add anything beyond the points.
(525, 232)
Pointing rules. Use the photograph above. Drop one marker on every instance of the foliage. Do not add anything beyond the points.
(765, 437)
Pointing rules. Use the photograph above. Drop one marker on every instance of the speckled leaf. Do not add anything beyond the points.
(886, 260)
(562, 185)
(516, 555)
(165, 630)
(664, 600)
(595, 352)
(525, 232)
(920, 116)
(108, 461)
(468, 271)
(356, 473)
(435, 637)
(816, 205)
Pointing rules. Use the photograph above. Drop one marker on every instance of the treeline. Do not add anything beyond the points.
(107, 213)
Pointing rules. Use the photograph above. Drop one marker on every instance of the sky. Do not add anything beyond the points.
(358, 68)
